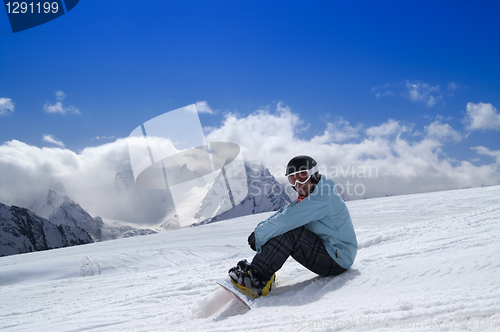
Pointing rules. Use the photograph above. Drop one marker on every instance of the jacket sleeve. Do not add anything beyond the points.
(290, 217)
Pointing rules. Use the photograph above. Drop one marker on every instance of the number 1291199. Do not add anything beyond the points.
(32, 7)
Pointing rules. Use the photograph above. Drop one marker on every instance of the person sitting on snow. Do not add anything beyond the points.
(316, 230)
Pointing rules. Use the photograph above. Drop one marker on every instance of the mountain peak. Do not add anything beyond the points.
(23, 231)
(265, 194)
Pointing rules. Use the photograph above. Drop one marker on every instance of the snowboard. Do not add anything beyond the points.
(230, 287)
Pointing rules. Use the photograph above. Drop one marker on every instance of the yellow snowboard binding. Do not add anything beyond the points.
(252, 293)
(246, 280)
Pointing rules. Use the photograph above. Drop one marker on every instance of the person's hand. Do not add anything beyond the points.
(251, 241)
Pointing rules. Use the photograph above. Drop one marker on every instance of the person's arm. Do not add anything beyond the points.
(291, 217)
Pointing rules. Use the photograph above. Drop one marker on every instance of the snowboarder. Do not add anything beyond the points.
(316, 230)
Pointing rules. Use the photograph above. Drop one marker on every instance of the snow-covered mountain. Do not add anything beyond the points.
(426, 262)
(59, 209)
(72, 214)
(49, 204)
(23, 231)
(265, 194)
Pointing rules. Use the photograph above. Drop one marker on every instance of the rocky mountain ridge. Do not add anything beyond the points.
(23, 231)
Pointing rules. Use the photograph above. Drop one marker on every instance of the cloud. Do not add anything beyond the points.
(487, 152)
(402, 159)
(423, 92)
(202, 107)
(384, 94)
(442, 132)
(416, 91)
(60, 95)
(383, 91)
(482, 117)
(6, 106)
(89, 177)
(58, 106)
(390, 158)
(452, 87)
(338, 131)
(51, 139)
(389, 128)
(261, 133)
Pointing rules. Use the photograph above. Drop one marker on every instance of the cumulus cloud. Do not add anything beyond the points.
(58, 107)
(89, 178)
(482, 117)
(389, 158)
(51, 139)
(338, 131)
(263, 135)
(6, 106)
(442, 132)
(202, 107)
(389, 128)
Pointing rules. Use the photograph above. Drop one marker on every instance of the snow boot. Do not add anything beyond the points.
(245, 278)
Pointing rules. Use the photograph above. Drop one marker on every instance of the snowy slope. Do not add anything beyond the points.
(427, 262)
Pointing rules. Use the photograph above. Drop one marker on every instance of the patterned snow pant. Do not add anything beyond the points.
(304, 246)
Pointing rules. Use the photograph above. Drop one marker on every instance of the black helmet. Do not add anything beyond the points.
(302, 163)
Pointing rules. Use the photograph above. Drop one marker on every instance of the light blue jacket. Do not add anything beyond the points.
(325, 214)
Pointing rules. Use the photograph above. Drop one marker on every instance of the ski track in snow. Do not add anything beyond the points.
(427, 262)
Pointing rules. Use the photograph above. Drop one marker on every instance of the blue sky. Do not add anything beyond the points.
(342, 67)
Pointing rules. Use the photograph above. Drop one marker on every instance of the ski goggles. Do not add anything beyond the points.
(301, 176)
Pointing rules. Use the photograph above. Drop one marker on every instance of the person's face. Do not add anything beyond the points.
(301, 181)
(304, 188)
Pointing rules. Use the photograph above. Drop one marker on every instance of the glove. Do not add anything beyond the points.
(251, 241)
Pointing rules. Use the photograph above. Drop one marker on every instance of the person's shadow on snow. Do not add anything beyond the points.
(307, 291)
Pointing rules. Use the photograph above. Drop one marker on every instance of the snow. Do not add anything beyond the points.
(427, 262)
